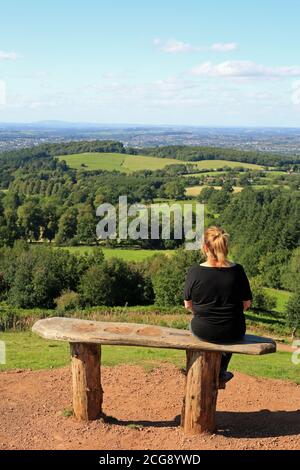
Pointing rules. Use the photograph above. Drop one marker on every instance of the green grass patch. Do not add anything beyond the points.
(127, 254)
(281, 297)
(131, 163)
(26, 350)
(116, 161)
(272, 366)
(217, 164)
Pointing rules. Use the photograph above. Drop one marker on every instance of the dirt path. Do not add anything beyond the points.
(252, 413)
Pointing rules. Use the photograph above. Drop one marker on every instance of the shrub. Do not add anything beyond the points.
(94, 287)
(293, 312)
(168, 281)
(262, 300)
(115, 283)
(69, 300)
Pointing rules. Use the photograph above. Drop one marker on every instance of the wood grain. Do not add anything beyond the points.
(201, 391)
(86, 381)
(134, 334)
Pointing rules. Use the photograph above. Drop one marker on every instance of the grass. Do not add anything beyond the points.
(281, 297)
(116, 161)
(131, 163)
(193, 191)
(25, 350)
(217, 164)
(127, 254)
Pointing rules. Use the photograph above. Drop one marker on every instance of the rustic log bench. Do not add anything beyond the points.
(202, 366)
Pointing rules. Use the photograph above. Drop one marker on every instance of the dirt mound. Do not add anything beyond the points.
(143, 411)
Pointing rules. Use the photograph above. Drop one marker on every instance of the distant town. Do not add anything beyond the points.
(280, 140)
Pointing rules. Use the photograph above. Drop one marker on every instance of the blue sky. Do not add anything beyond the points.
(196, 62)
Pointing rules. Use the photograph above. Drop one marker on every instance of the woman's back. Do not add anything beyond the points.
(217, 295)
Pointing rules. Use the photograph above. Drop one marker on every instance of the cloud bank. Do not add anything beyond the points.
(173, 46)
(244, 68)
(8, 55)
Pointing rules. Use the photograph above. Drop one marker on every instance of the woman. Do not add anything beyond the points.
(217, 291)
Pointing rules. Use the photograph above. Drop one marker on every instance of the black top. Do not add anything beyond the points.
(217, 295)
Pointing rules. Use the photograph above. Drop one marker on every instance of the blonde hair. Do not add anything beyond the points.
(216, 241)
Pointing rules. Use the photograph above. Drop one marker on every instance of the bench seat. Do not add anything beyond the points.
(202, 362)
(136, 334)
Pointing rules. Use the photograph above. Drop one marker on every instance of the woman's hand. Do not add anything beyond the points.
(188, 304)
(246, 304)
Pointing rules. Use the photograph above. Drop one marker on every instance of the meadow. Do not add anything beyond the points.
(116, 161)
(130, 163)
(126, 254)
(193, 191)
(26, 350)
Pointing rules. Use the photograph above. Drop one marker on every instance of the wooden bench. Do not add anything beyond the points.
(202, 366)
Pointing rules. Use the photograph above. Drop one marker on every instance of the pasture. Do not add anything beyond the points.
(193, 191)
(130, 163)
(126, 254)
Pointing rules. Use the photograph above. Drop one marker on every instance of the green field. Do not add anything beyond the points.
(116, 161)
(281, 297)
(131, 163)
(193, 191)
(217, 164)
(28, 351)
(127, 254)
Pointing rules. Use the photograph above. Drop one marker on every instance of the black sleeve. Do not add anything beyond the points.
(189, 281)
(245, 286)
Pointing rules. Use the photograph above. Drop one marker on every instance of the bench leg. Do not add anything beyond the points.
(201, 391)
(86, 380)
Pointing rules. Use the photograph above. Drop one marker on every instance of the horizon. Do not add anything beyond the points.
(148, 125)
(171, 64)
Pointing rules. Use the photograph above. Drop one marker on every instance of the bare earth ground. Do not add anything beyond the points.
(253, 413)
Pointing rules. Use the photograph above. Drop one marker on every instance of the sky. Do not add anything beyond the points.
(170, 62)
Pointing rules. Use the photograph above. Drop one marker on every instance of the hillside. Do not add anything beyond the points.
(130, 163)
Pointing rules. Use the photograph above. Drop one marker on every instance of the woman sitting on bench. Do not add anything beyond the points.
(217, 291)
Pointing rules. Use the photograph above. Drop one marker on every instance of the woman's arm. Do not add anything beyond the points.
(188, 304)
(246, 304)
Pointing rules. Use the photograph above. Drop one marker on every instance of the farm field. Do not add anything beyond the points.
(127, 254)
(193, 191)
(116, 161)
(130, 163)
(217, 164)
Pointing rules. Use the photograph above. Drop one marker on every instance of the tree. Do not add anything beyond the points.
(291, 274)
(114, 283)
(174, 190)
(39, 275)
(50, 220)
(262, 300)
(67, 226)
(219, 200)
(86, 225)
(293, 312)
(168, 282)
(30, 219)
(206, 194)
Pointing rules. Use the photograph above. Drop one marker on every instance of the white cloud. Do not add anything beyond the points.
(244, 69)
(296, 92)
(42, 104)
(2, 92)
(8, 55)
(173, 46)
(223, 47)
